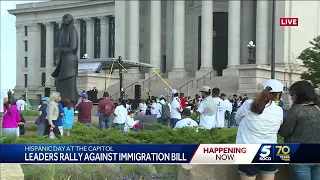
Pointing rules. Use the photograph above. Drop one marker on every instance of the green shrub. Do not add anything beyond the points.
(30, 113)
(160, 135)
(163, 135)
(31, 126)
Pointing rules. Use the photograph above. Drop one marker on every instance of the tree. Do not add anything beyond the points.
(311, 60)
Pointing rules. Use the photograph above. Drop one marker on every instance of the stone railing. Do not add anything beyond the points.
(218, 172)
(11, 172)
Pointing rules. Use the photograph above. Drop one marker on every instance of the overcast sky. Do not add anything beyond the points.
(8, 44)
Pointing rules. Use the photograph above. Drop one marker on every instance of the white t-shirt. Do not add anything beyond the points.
(258, 128)
(207, 109)
(186, 122)
(128, 107)
(21, 104)
(129, 123)
(143, 107)
(175, 114)
(221, 110)
(121, 115)
(228, 105)
(154, 108)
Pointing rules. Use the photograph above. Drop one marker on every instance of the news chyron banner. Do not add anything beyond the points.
(159, 153)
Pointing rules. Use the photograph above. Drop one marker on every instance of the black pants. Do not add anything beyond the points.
(56, 130)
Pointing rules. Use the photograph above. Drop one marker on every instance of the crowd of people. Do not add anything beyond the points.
(259, 120)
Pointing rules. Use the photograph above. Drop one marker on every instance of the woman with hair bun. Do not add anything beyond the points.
(259, 122)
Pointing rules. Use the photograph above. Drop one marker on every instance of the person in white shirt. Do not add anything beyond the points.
(186, 121)
(221, 108)
(207, 109)
(143, 107)
(163, 117)
(128, 105)
(153, 106)
(175, 108)
(21, 104)
(120, 116)
(130, 122)
(228, 106)
(259, 122)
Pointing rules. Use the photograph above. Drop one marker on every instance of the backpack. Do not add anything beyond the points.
(165, 111)
(108, 109)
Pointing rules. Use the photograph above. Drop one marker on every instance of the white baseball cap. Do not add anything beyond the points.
(205, 89)
(276, 86)
(174, 91)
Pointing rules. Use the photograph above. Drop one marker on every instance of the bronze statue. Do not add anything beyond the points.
(66, 71)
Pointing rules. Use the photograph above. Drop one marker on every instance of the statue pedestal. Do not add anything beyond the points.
(89, 80)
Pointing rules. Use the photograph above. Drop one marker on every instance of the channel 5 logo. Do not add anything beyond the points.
(265, 153)
(283, 152)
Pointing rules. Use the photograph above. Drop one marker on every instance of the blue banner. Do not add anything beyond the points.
(288, 153)
(96, 153)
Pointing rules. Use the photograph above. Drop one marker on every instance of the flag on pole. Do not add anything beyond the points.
(28, 105)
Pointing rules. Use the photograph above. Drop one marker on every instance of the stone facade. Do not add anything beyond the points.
(167, 35)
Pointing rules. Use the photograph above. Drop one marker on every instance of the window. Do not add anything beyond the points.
(25, 62)
(25, 80)
(55, 41)
(25, 31)
(111, 37)
(26, 46)
(43, 46)
(83, 38)
(43, 79)
(97, 38)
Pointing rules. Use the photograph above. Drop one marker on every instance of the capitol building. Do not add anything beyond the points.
(184, 40)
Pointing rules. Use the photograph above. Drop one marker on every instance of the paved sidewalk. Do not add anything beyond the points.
(11, 172)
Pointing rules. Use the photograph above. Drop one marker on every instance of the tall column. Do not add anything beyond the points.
(34, 54)
(169, 35)
(104, 25)
(155, 34)
(19, 56)
(120, 27)
(49, 53)
(90, 37)
(134, 30)
(77, 26)
(206, 35)
(262, 26)
(178, 32)
(234, 33)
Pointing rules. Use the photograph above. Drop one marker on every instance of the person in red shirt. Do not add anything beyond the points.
(183, 101)
(105, 110)
(84, 108)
